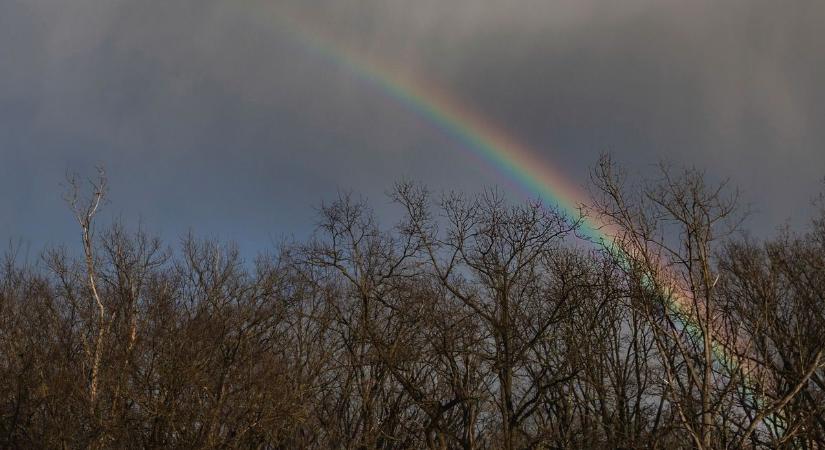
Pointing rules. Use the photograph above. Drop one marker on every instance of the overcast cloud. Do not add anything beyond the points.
(208, 114)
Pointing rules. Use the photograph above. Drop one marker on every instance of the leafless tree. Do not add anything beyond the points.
(84, 210)
(472, 323)
(666, 241)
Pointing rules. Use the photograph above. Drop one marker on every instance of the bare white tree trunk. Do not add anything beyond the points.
(84, 211)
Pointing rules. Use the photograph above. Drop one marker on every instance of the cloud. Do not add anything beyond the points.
(732, 87)
(209, 108)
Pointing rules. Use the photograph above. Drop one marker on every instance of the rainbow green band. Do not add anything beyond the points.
(485, 141)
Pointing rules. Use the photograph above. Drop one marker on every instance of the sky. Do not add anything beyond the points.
(217, 116)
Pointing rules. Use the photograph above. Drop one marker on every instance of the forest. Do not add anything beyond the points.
(473, 322)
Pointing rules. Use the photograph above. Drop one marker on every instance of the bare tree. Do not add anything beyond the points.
(506, 266)
(666, 241)
(471, 323)
(85, 208)
(775, 291)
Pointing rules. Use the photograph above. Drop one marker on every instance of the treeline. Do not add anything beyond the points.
(471, 324)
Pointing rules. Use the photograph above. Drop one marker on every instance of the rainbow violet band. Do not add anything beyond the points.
(500, 151)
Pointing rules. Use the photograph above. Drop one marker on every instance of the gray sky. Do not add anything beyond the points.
(207, 114)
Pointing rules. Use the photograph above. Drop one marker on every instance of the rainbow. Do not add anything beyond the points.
(496, 148)
(482, 139)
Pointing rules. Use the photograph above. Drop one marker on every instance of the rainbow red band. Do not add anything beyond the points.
(484, 141)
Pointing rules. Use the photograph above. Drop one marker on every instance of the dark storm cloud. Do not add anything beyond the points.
(207, 113)
(202, 116)
(731, 87)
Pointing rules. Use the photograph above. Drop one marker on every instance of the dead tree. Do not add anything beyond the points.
(85, 208)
